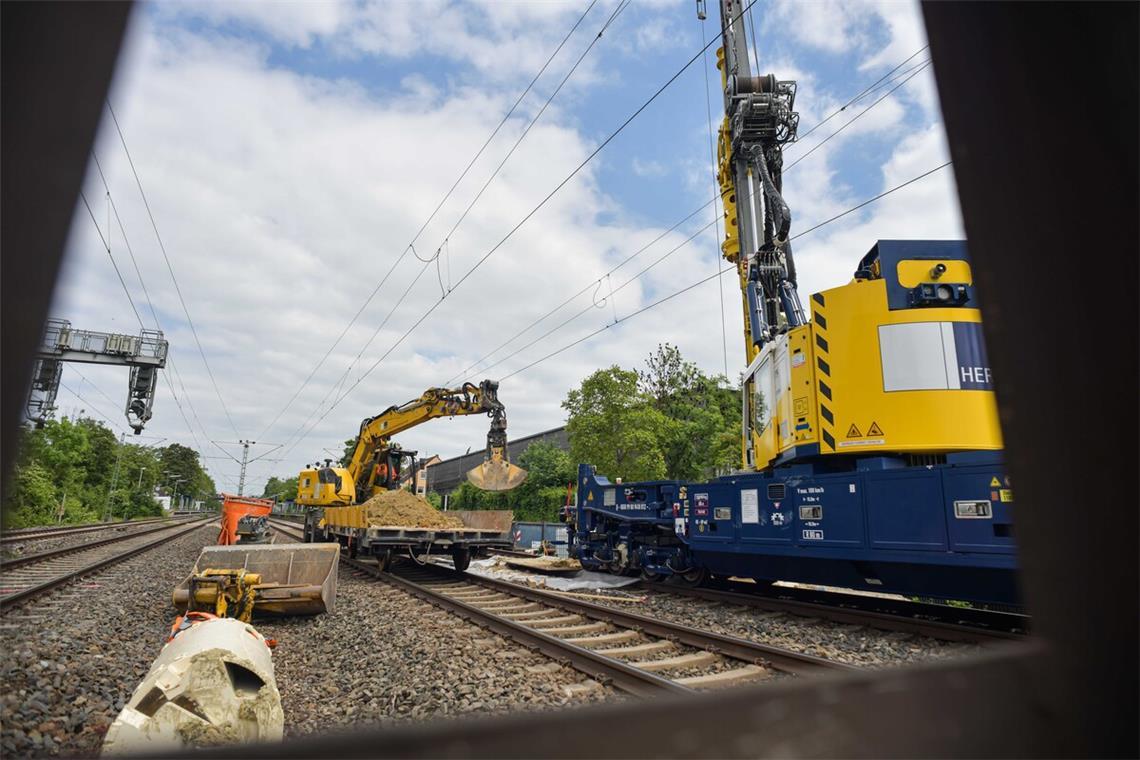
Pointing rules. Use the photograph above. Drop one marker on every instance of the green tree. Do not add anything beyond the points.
(280, 488)
(31, 497)
(178, 461)
(349, 447)
(614, 425)
(704, 435)
(549, 471)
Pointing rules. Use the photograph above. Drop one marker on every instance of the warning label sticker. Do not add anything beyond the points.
(853, 432)
(874, 429)
(994, 482)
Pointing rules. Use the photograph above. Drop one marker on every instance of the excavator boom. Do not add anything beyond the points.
(376, 461)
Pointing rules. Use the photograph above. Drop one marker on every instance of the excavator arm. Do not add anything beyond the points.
(374, 441)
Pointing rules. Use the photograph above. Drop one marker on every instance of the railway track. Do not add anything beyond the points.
(635, 653)
(23, 578)
(25, 535)
(936, 621)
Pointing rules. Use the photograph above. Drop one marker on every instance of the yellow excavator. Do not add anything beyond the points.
(377, 462)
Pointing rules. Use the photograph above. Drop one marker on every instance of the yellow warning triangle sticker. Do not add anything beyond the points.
(994, 482)
(590, 495)
(853, 432)
(874, 429)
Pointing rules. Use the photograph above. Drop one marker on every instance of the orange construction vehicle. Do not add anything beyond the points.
(244, 520)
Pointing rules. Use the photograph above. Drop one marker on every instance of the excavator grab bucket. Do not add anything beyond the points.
(296, 579)
(497, 474)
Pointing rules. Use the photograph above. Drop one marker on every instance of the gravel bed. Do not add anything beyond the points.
(855, 645)
(35, 546)
(384, 657)
(72, 660)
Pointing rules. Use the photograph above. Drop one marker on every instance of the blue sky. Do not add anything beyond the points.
(290, 151)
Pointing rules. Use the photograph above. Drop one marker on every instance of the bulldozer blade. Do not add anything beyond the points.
(296, 579)
(496, 474)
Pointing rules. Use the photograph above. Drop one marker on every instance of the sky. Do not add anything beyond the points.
(291, 153)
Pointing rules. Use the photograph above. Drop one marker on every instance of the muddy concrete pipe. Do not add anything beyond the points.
(211, 685)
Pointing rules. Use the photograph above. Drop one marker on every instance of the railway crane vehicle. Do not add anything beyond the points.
(334, 495)
(871, 453)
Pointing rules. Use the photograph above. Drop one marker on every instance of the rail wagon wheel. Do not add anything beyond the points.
(461, 558)
(694, 577)
(383, 560)
(651, 577)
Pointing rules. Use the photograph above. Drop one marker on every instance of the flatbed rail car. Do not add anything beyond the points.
(482, 530)
(940, 530)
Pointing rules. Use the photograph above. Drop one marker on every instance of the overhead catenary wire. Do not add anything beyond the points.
(154, 314)
(431, 216)
(170, 269)
(443, 293)
(592, 284)
(855, 118)
(723, 271)
(866, 91)
(621, 128)
(596, 282)
(569, 73)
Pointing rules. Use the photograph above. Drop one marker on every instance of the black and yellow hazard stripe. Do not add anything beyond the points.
(823, 367)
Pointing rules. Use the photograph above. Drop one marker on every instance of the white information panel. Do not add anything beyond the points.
(749, 505)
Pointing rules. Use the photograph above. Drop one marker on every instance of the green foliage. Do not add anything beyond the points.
(178, 461)
(549, 471)
(669, 420)
(280, 488)
(349, 447)
(704, 438)
(614, 424)
(78, 471)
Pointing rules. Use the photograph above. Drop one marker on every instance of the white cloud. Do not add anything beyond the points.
(283, 199)
(648, 168)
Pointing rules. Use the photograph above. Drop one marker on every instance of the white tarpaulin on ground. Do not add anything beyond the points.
(493, 568)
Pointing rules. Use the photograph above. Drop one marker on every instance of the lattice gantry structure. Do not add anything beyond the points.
(144, 353)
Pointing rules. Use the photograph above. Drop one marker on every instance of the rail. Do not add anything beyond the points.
(937, 621)
(20, 585)
(22, 535)
(606, 644)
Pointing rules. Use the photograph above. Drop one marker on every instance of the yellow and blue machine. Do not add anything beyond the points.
(870, 447)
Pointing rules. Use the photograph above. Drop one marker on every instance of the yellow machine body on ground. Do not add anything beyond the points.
(377, 462)
(861, 377)
(893, 361)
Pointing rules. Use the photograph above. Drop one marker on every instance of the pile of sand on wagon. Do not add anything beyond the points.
(405, 509)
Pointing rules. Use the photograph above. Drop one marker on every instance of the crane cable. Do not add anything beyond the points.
(716, 192)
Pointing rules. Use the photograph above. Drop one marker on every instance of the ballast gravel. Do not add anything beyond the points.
(854, 645)
(35, 546)
(384, 657)
(72, 659)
